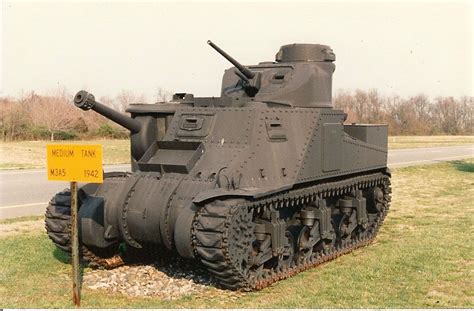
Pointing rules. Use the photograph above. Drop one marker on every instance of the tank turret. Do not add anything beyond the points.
(249, 80)
(305, 53)
(301, 76)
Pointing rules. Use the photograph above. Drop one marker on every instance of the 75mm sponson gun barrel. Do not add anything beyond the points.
(86, 101)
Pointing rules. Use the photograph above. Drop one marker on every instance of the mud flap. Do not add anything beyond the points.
(91, 214)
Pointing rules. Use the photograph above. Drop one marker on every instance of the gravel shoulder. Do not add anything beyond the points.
(167, 278)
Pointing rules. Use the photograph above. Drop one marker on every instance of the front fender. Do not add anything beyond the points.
(253, 193)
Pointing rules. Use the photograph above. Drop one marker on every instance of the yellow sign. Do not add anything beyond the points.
(75, 163)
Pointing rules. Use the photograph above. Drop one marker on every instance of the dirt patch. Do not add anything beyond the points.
(23, 227)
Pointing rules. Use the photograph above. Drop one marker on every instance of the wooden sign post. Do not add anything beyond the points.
(75, 163)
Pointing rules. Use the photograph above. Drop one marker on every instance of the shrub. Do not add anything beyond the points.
(108, 131)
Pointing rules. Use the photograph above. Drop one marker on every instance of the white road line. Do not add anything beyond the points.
(26, 171)
(433, 160)
(441, 148)
(23, 205)
(40, 170)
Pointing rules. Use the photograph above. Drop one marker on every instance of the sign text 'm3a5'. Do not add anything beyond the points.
(75, 163)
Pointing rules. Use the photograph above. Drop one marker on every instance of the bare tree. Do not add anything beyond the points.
(466, 116)
(125, 98)
(13, 119)
(55, 113)
(445, 114)
(163, 95)
(422, 123)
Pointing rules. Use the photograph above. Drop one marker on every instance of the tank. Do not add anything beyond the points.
(258, 184)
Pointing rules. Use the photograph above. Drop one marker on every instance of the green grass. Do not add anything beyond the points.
(422, 258)
(20, 219)
(406, 142)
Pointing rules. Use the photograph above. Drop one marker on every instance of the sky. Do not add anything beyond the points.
(398, 48)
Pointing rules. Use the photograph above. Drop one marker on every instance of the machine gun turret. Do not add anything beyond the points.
(86, 101)
(251, 80)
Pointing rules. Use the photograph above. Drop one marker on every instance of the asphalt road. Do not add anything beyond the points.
(420, 156)
(27, 192)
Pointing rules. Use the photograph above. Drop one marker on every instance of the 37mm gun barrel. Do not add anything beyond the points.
(86, 101)
(244, 70)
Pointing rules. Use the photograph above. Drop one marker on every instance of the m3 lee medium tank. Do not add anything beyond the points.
(258, 184)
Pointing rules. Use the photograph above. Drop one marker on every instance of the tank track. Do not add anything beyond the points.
(58, 228)
(215, 238)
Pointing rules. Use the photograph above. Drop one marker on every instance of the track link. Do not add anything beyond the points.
(215, 222)
(214, 244)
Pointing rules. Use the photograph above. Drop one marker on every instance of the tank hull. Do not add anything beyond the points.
(290, 148)
(258, 184)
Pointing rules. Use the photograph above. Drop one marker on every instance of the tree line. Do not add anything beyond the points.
(54, 117)
(415, 115)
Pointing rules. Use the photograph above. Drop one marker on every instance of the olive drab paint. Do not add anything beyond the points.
(260, 183)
